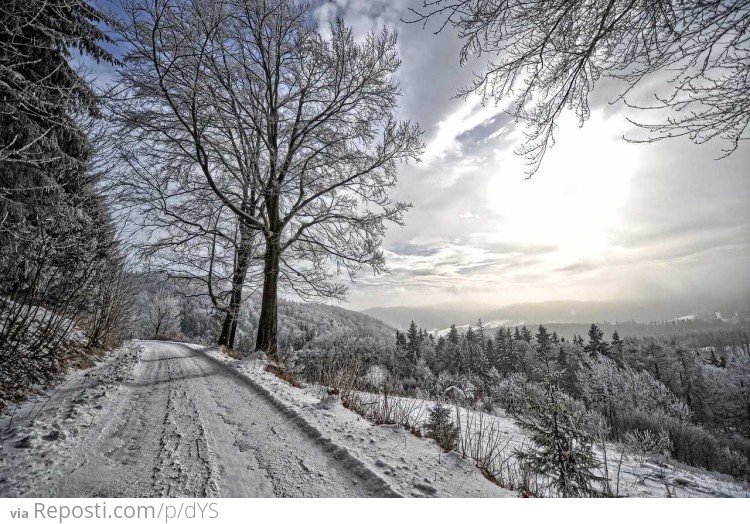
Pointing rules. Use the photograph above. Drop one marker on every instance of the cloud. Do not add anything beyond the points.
(602, 219)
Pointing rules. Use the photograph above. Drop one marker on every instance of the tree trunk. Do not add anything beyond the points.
(229, 326)
(267, 324)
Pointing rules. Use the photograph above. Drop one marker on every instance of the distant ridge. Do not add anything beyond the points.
(561, 312)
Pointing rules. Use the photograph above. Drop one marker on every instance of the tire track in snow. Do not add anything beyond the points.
(363, 480)
(176, 422)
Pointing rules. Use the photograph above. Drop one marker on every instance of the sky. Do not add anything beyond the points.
(603, 219)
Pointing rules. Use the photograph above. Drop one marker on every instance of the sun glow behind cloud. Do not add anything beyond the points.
(602, 219)
(576, 199)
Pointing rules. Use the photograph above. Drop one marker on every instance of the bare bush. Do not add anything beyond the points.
(643, 443)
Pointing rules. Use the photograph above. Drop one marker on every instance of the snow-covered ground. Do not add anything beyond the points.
(631, 474)
(639, 476)
(171, 419)
(167, 419)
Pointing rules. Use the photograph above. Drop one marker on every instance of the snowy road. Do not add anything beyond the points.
(184, 425)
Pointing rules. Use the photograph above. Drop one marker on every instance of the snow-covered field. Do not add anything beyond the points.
(631, 474)
(166, 419)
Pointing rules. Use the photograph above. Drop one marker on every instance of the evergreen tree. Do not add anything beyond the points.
(517, 335)
(499, 340)
(617, 345)
(459, 361)
(482, 363)
(492, 355)
(453, 335)
(403, 365)
(526, 334)
(543, 339)
(440, 427)
(441, 355)
(596, 344)
(414, 341)
(563, 448)
(469, 340)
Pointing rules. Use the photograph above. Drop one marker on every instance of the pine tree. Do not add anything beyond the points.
(617, 346)
(440, 427)
(482, 363)
(517, 335)
(414, 339)
(500, 340)
(469, 343)
(596, 344)
(453, 335)
(543, 339)
(491, 355)
(402, 365)
(441, 355)
(563, 448)
(526, 334)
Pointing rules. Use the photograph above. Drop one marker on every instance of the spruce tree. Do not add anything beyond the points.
(563, 449)
(491, 355)
(596, 344)
(500, 340)
(617, 346)
(403, 365)
(414, 339)
(440, 427)
(543, 338)
(453, 334)
(526, 334)
(482, 364)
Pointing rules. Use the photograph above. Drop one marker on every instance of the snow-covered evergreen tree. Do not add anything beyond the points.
(562, 446)
(440, 427)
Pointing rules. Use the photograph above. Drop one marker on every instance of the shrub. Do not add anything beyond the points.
(691, 444)
(643, 442)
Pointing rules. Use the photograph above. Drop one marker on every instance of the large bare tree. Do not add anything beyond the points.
(259, 102)
(548, 55)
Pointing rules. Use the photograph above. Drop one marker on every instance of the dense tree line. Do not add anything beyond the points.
(694, 398)
(63, 289)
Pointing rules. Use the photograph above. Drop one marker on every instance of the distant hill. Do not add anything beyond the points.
(562, 312)
(426, 317)
(312, 321)
(196, 321)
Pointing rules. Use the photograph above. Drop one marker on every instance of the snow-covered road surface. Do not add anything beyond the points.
(181, 424)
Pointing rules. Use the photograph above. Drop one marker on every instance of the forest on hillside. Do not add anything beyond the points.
(684, 396)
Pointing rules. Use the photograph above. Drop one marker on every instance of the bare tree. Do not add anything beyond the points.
(262, 104)
(161, 313)
(549, 55)
(181, 229)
